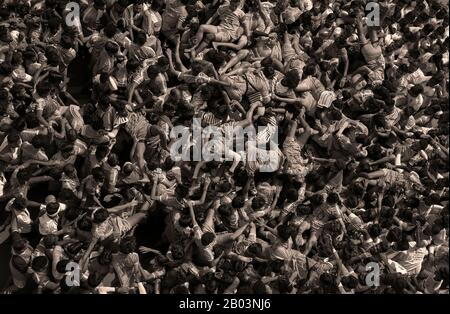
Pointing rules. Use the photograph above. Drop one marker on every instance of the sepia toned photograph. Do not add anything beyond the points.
(224, 147)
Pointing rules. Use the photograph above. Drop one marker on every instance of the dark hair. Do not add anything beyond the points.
(416, 90)
(177, 251)
(19, 244)
(110, 30)
(52, 208)
(100, 215)
(259, 287)
(207, 238)
(224, 210)
(49, 240)
(258, 202)
(180, 289)
(94, 279)
(394, 234)
(105, 257)
(284, 285)
(310, 69)
(432, 199)
(351, 201)
(412, 202)
(132, 64)
(74, 248)
(284, 232)
(101, 152)
(255, 249)
(61, 266)
(291, 194)
(388, 200)
(127, 245)
(42, 89)
(181, 190)
(349, 282)
(291, 79)
(72, 213)
(98, 174)
(19, 203)
(316, 200)
(333, 198)
(303, 209)
(327, 281)
(84, 224)
(374, 230)
(140, 38)
(238, 201)
(39, 263)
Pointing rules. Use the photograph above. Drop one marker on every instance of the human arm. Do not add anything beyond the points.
(205, 190)
(249, 117)
(84, 262)
(119, 208)
(192, 214)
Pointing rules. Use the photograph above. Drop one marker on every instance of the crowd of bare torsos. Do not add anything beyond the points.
(361, 115)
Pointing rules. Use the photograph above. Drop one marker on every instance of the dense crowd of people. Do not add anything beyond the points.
(357, 202)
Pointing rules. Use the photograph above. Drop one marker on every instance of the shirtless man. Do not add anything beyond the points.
(231, 18)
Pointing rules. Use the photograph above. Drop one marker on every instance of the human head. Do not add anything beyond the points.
(100, 215)
(19, 203)
(284, 232)
(291, 79)
(234, 4)
(207, 238)
(258, 202)
(39, 263)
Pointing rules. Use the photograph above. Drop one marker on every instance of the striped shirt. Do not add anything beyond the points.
(230, 21)
(210, 119)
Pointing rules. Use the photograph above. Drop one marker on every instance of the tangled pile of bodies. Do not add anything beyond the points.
(94, 200)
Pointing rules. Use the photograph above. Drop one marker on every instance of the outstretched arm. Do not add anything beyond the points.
(191, 212)
(120, 208)
(203, 197)
(360, 28)
(223, 238)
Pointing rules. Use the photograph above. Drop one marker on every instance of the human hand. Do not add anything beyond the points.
(302, 112)
(134, 203)
(288, 115)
